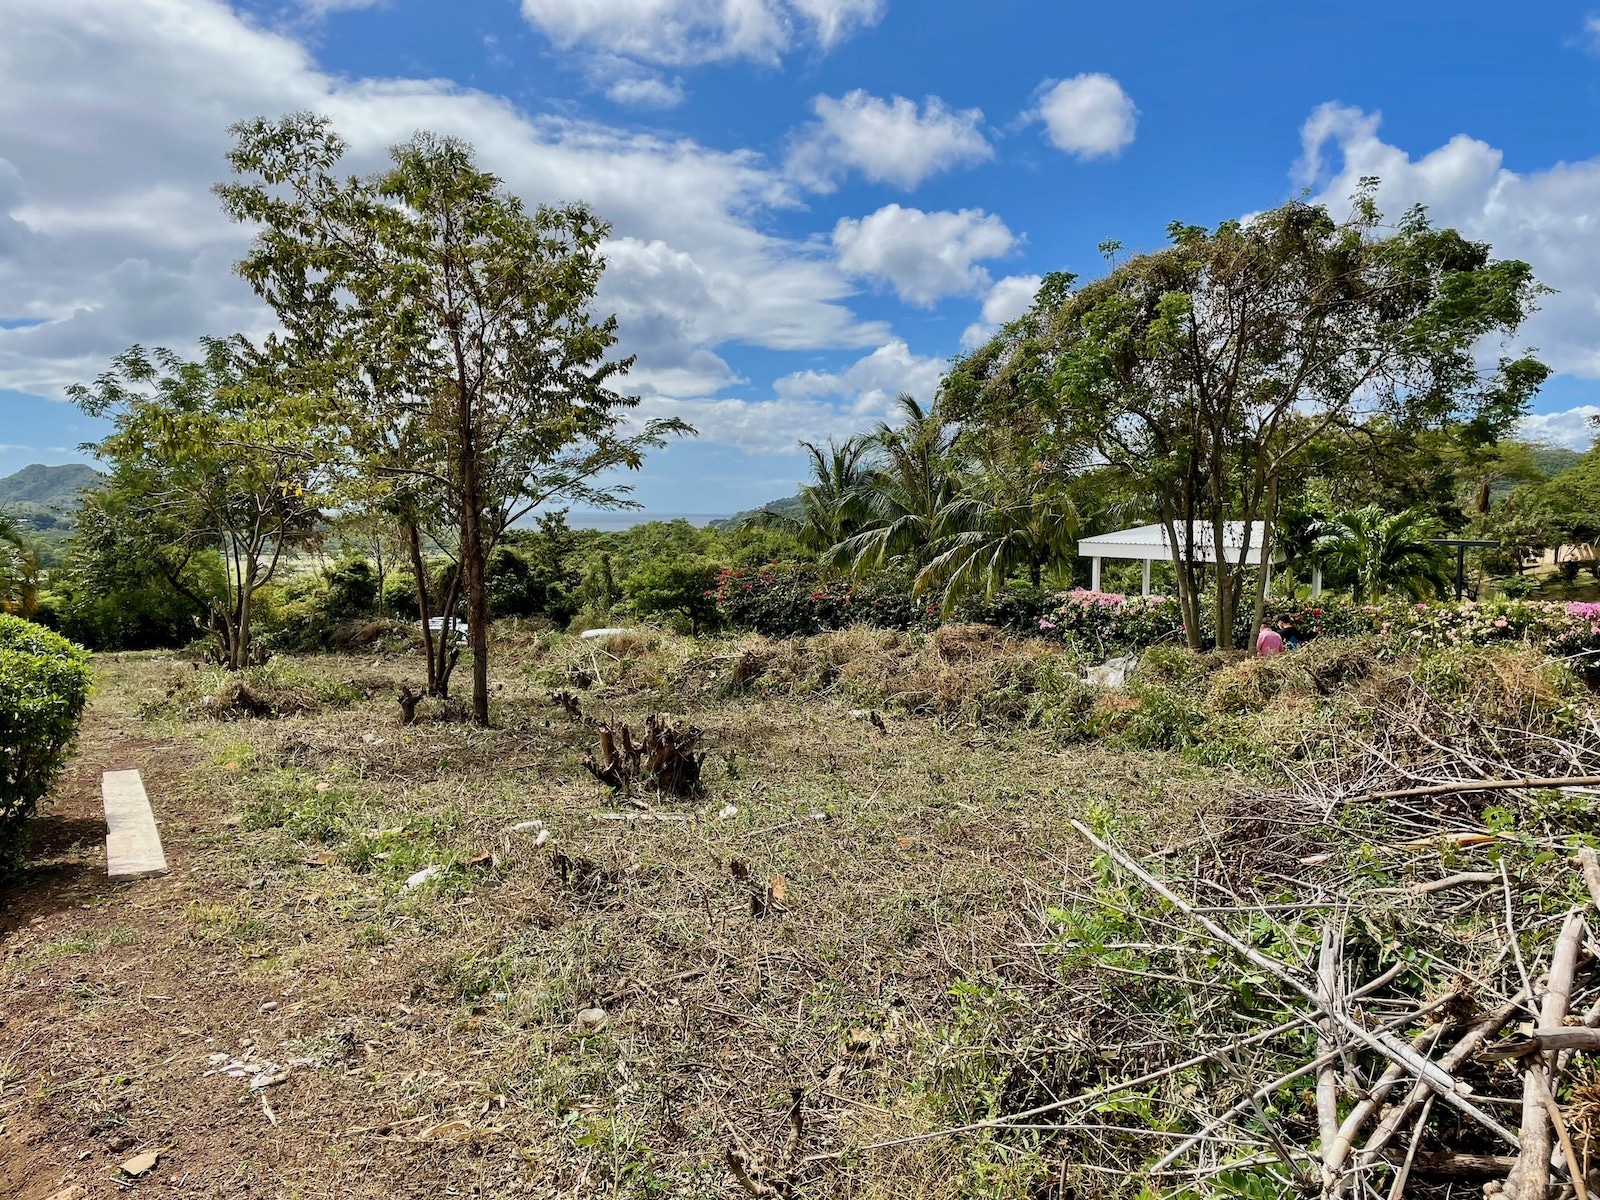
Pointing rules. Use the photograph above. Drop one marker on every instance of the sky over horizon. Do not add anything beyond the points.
(815, 203)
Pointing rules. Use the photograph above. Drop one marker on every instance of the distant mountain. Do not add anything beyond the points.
(48, 487)
(1553, 460)
(44, 503)
(788, 506)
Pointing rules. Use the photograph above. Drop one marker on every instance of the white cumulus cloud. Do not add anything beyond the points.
(811, 405)
(1007, 300)
(1088, 116)
(888, 141)
(109, 235)
(1573, 428)
(924, 256)
(870, 384)
(645, 91)
(1547, 217)
(685, 32)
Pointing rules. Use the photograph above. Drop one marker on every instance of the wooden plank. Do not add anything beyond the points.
(133, 846)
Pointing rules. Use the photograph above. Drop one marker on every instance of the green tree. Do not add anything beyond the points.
(1010, 517)
(904, 495)
(533, 572)
(1207, 370)
(1382, 553)
(833, 503)
(680, 584)
(1566, 505)
(207, 484)
(428, 298)
(19, 571)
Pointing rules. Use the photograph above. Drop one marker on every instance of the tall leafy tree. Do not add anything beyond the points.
(426, 304)
(207, 483)
(1382, 553)
(1206, 370)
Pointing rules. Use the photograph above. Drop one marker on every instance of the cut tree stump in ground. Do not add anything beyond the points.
(133, 845)
(666, 760)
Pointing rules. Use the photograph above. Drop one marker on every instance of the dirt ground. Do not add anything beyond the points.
(854, 913)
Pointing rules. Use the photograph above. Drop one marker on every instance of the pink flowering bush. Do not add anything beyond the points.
(1112, 621)
(1560, 630)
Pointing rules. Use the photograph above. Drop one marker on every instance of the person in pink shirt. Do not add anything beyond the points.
(1269, 643)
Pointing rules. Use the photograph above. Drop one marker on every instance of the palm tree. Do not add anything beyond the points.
(1008, 520)
(19, 571)
(1384, 553)
(831, 505)
(903, 497)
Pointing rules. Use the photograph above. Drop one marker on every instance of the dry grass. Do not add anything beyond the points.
(913, 867)
(872, 925)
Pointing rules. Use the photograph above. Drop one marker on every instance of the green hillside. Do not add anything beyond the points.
(44, 501)
(51, 488)
(787, 506)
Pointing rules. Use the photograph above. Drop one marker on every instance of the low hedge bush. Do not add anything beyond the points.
(44, 684)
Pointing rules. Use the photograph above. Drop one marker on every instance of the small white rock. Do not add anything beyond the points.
(729, 810)
(422, 877)
(270, 1006)
(591, 1020)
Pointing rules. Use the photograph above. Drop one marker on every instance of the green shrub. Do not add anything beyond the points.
(1167, 718)
(797, 600)
(44, 684)
(1518, 587)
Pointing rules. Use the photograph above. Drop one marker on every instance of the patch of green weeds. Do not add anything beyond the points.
(1166, 718)
(224, 922)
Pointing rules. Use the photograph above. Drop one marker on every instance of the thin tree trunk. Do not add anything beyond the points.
(419, 572)
(1188, 599)
(247, 588)
(1269, 529)
(472, 553)
(448, 657)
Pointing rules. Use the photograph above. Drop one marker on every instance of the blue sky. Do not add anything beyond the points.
(816, 202)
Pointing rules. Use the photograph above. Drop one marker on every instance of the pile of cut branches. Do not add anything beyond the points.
(1383, 982)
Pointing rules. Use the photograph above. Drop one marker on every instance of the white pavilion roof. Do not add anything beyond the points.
(1149, 542)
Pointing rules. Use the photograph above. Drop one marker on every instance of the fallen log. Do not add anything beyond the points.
(1457, 1166)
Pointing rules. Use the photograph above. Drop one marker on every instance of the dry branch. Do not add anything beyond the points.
(1437, 1079)
(1530, 1178)
(1457, 786)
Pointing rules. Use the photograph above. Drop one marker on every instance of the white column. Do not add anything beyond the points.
(1094, 573)
(1316, 579)
(1146, 591)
